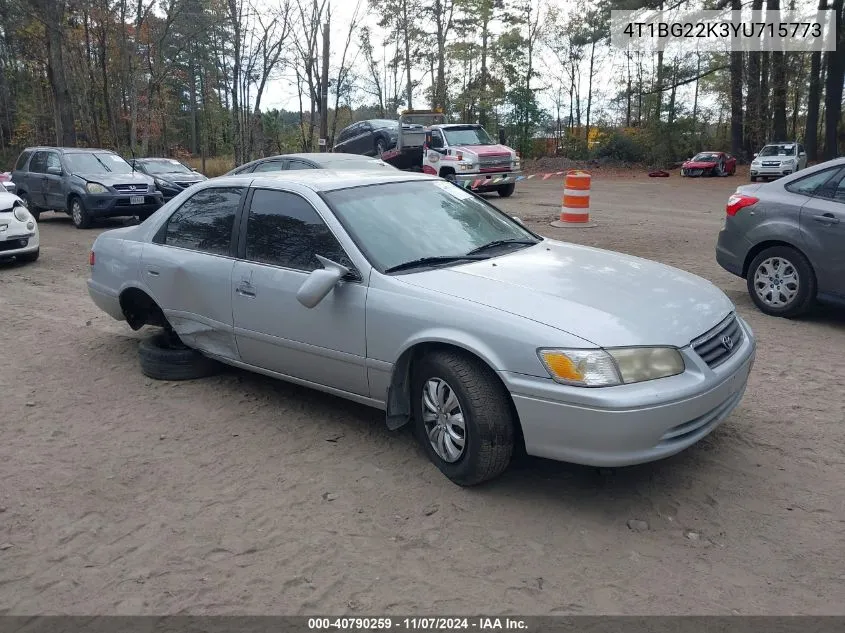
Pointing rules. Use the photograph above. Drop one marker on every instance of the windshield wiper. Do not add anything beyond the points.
(439, 259)
(97, 158)
(496, 243)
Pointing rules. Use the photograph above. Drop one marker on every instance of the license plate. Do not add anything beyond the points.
(136, 199)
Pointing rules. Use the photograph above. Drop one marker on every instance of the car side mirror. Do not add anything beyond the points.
(55, 171)
(320, 282)
(755, 154)
(802, 154)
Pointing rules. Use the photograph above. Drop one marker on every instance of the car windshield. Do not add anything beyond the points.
(467, 136)
(395, 223)
(778, 150)
(97, 163)
(705, 157)
(165, 166)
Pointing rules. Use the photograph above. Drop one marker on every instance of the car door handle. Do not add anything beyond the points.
(153, 273)
(826, 218)
(245, 290)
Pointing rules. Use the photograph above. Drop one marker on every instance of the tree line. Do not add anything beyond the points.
(158, 77)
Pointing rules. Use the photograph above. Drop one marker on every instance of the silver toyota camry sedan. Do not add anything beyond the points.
(409, 294)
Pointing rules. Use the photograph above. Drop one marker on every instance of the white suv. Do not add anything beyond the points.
(778, 159)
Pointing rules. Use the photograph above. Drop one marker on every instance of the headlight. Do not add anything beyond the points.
(600, 368)
(21, 214)
(516, 163)
(164, 183)
(465, 165)
(95, 187)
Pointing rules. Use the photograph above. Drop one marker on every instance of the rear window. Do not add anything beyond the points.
(22, 159)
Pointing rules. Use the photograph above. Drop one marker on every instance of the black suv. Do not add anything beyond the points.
(84, 183)
(171, 176)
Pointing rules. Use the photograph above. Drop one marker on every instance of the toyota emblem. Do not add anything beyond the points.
(727, 342)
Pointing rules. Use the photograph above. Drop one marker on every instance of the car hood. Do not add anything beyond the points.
(484, 150)
(607, 298)
(117, 179)
(699, 164)
(181, 176)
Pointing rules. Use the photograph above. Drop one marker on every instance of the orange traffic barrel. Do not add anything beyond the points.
(575, 205)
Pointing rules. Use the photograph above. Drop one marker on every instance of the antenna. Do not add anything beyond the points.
(132, 151)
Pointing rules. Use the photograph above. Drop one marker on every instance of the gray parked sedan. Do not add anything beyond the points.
(787, 239)
(406, 293)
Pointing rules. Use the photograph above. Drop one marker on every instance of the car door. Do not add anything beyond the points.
(53, 191)
(282, 233)
(187, 269)
(35, 179)
(823, 225)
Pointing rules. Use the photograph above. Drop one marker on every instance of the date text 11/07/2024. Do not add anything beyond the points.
(417, 624)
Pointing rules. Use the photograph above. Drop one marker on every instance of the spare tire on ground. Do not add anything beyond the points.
(164, 357)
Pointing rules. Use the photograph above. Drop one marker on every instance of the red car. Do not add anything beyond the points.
(709, 164)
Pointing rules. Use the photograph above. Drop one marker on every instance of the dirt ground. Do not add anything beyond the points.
(243, 495)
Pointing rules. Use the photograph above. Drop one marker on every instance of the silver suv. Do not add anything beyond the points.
(778, 159)
(787, 239)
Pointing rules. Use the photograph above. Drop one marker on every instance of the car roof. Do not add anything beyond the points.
(326, 158)
(444, 125)
(322, 179)
(70, 150)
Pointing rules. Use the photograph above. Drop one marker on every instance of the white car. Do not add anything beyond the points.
(18, 230)
(778, 159)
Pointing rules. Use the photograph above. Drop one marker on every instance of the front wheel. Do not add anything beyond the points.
(506, 191)
(81, 218)
(381, 147)
(463, 417)
(753, 178)
(781, 282)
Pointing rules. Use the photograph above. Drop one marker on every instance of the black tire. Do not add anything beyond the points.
(29, 257)
(487, 411)
(450, 176)
(380, 147)
(81, 218)
(506, 191)
(34, 211)
(803, 299)
(753, 178)
(164, 358)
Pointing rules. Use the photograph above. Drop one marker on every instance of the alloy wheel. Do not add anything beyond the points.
(444, 420)
(776, 282)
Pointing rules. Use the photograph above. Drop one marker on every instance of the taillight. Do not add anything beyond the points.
(739, 201)
(91, 258)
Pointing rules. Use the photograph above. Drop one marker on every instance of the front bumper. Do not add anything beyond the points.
(630, 424)
(489, 180)
(18, 244)
(765, 172)
(110, 205)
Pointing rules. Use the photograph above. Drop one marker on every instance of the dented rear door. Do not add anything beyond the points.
(188, 269)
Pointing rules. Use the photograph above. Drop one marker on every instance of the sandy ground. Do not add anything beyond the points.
(240, 494)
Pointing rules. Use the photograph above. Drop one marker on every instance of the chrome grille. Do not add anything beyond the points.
(720, 343)
(131, 188)
(770, 163)
(491, 162)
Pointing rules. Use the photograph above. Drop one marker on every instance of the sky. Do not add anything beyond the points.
(281, 92)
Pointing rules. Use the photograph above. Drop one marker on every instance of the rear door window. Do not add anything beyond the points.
(271, 165)
(204, 222)
(38, 164)
(808, 185)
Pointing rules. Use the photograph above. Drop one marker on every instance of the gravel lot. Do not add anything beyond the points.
(240, 494)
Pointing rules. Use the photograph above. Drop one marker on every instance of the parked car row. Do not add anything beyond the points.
(89, 184)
